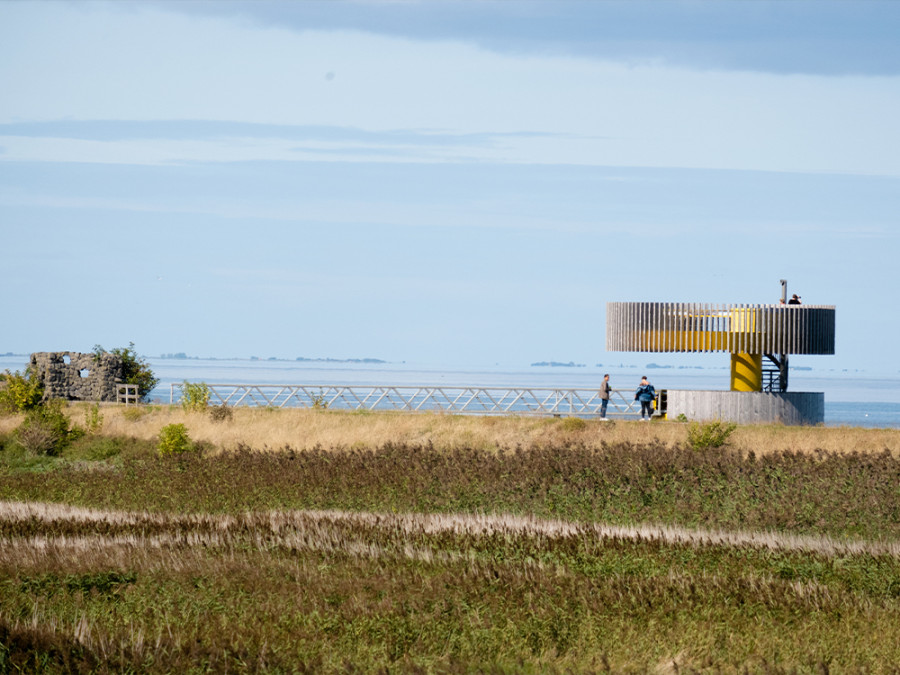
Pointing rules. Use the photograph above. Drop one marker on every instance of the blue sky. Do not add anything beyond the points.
(457, 183)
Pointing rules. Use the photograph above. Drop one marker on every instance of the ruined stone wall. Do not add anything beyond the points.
(78, 377)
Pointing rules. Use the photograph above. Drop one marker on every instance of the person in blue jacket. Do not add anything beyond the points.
(645, 394)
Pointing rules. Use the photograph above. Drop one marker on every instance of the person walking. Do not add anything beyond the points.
(604, 396)
(645, 394)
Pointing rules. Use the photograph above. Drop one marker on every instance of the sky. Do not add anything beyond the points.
(442, 182)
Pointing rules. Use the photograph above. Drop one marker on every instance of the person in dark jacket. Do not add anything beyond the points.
(604, 396)
(645, 394)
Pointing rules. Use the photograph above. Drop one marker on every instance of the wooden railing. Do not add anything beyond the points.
(127, 394)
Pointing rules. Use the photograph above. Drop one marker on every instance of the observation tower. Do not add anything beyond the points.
(759, 339)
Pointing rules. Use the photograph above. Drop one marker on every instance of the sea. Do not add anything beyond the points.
(854, 399)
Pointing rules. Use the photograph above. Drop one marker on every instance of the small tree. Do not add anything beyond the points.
(195, 396)
(136, 370)
(20, 392)
(93, 419)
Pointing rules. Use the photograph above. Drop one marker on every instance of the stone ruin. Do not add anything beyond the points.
(78, 377)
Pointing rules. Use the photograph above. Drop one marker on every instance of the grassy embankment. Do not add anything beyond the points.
(432, 543)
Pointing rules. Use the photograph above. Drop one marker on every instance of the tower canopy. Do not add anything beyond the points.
(703, 327)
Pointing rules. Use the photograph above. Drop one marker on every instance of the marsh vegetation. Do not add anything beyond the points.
(343, 542)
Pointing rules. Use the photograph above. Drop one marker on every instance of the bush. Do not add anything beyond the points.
(95, 448)
(573, 424)
(194, 397)
(46, 430)
(20, 391)
(319, 401)
(133, 413)
(173, 440)
(709, 434)
(221, 413)
(137, 371)
(38, 439)
(103, 448)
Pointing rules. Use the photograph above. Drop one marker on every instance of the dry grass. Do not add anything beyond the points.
(306, 428)
(9, 422)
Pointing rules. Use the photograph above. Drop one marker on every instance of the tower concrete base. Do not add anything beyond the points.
(747, 407)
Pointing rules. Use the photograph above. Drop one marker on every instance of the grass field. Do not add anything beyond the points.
(323, 542)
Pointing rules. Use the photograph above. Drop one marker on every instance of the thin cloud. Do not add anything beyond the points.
(126, 130)
(822, 38)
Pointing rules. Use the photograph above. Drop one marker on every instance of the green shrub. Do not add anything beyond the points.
(221, 413)
(20, 391)
(573, 424)
(137, 371)
(95, 448)
(709, 434)
(93, 419)
(102, 448)
(319, 401)
(195, 396)
(174, 440)
(46, 430)
(134, 413)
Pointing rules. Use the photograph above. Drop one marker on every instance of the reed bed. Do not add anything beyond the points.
(842, 495)
(333, 592)
(839, 495)
(86, 529)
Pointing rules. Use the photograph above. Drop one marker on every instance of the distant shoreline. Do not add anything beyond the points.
(302, 359)
(817, 371)
(557, 364)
